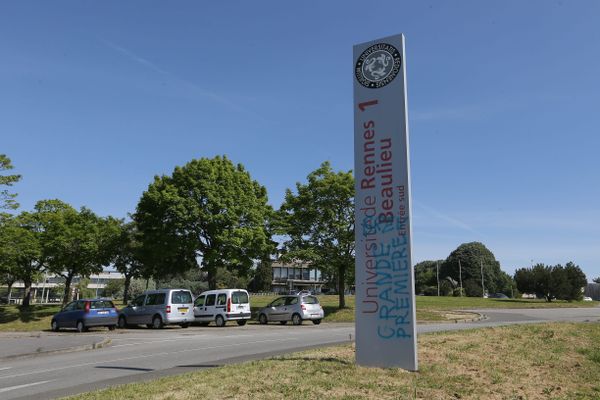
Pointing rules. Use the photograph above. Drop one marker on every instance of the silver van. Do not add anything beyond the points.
(157, 308)
(222, 305)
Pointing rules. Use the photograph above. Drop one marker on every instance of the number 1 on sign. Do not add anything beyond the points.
(364, 105)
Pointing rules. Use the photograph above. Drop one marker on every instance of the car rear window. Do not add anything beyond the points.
(239, 297)
(101, 304)
(181, 297)
(310, 300)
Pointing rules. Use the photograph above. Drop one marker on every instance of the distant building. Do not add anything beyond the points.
(46, 289)
(592, 290)
(295, 276)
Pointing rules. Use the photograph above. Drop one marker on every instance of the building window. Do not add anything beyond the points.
(305, 274)
(277, 273)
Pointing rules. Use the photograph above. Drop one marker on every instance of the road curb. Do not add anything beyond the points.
(96, 345)
(478, 317)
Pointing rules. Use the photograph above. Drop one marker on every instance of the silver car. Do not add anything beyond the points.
(295, 308)
(157, 308)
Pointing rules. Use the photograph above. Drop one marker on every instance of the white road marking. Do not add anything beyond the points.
(4, 368)
(165, 353)
(7, 389)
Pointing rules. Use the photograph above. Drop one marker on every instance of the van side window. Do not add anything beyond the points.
(200, 301)
(138, 301)
(150, 299)
(221, 299)
(210, 300)
(160, 299)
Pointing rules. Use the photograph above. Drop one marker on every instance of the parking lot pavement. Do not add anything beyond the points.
(30, 344)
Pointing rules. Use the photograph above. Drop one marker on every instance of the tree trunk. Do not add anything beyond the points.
(341, 286)
(10, 285)
(211, 276)
(67, 293)
(126, 288)
(26, 292)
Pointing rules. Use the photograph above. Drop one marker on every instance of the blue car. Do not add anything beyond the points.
(86, 313)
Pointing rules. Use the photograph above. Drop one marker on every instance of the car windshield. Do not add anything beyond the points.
(181, 297)
(310, 300)
(239, 297)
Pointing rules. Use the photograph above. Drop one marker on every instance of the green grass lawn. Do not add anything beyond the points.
(429, 309)
(540, 361)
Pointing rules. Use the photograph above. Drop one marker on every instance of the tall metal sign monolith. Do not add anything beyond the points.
(386, 334)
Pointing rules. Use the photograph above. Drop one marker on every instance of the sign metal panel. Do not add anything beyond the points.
(385, 295)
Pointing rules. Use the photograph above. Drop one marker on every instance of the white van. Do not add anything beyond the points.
(222, 305)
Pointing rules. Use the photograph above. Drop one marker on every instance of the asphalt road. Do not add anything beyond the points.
(142, 354)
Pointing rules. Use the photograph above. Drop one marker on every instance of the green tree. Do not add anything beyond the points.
(209, 210)
(191, 280)
(8, 253)
(127, 256)
(475, 257)
(114, 288)
(426, 277)
(576, 280)
(83, 289)
(75, 243)
(263, 277)
(318, 221)
(7, 200)
(21, 251)
(552, 282)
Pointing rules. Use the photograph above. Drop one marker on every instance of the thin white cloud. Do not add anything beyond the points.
(444, 217)
(188, 84)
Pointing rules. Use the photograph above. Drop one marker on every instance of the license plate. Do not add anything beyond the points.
(102, 312)
(185, 309)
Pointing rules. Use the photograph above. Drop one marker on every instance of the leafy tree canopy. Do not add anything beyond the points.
(318, 221)
(7, 200)
(474, 257)
(75, 243)
(209, 210)
(552, 282)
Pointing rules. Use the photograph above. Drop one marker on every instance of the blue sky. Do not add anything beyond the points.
(504, 107)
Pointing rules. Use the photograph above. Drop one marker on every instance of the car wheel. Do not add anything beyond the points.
(112, 327)
(283, 322)
(186, 325)
(81, 326)
(262, 319)
(122, 322)
(316, 321)
(219, 321)
(157, 322)
(242, 322)
(54, 326)
(296, 319)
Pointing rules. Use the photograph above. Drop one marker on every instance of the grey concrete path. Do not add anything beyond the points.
(30, 344)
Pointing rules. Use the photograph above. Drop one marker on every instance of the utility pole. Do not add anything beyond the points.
(482, 285)
(460, 277)
(438, 276)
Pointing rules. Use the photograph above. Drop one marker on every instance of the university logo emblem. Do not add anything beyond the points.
(378, 65)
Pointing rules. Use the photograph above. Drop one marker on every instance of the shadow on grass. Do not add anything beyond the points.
(27, 314)
(332, 360)
(36, 313)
